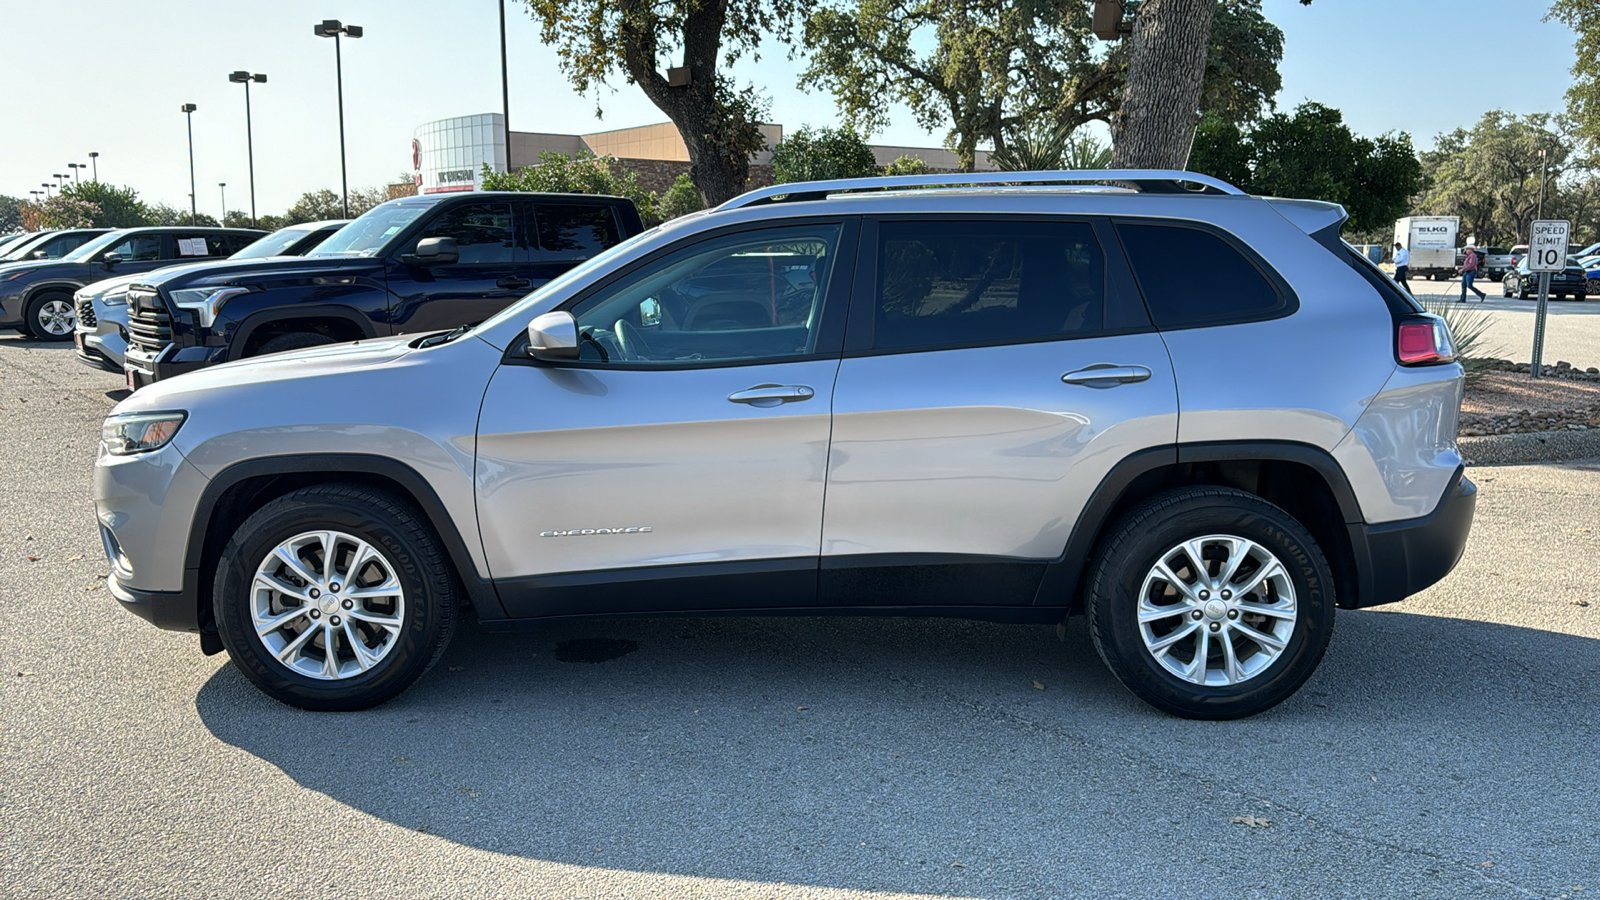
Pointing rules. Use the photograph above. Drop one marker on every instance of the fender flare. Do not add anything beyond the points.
(253, 322)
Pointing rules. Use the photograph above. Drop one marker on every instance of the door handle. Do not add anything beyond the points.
(513, 283)
(1107, 375)
(766, 395)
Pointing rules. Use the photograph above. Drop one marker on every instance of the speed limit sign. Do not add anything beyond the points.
(1547, 247)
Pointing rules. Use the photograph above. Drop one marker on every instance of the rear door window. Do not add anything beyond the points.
(139, 247)
(954, 283)
(1191, 277)
(201, 245)
(573, 232)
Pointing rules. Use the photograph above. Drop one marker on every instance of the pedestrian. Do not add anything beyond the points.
(1469, 271)
(1402, 264)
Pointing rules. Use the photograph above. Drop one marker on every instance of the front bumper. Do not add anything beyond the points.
(145, 507)
(170, 610)
(1397, 559)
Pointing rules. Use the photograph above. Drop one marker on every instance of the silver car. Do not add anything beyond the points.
(100, 329)
(862, 397)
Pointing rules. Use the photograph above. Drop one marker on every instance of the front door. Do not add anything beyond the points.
(679, 463)
(995, 371)
(492, 270)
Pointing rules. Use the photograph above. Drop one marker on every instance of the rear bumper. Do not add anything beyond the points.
(1398, 559)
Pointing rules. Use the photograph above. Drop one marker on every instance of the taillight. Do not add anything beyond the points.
(1423, 341)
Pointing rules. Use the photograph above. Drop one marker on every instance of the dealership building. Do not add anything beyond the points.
(449, 154)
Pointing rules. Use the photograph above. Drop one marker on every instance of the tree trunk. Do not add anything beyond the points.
(1161, 100)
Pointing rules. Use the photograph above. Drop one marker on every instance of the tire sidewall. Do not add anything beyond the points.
(264, 531)
(1118, 595)
(30, 320)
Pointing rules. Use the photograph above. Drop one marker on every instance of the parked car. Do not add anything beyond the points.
(985, 401)
(6, 240)
(1591, 278)
(46, 245)
(101, 332)
(410, 265)
(1517, 254)
(36, 297)
(1569, 284)
(1496, 262)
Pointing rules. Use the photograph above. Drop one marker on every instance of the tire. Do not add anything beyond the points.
(50, 317)
(1123, 577)
(298, 340)
(421, 610)
(1591, 287)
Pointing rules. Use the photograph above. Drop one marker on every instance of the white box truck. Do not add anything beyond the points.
(1432, 242)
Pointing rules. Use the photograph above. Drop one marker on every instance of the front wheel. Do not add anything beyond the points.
(50, 317)
(334, 597)
(1210, 603)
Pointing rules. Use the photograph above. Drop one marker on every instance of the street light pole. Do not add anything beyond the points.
(194, 210)
(505, 86)
(94, 160)
(333, 28)
(244, 78)
(47, 186)
(223, 187)
(59, 179)
(1544, 173)
(75, 167)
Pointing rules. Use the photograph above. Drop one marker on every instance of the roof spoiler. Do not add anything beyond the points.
(1149, 181)
(1311, 216)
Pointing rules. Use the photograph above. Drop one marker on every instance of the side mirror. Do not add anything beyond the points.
(435, 251)
(110, 260)
(40, 254)
(649, 313)
(553, 336)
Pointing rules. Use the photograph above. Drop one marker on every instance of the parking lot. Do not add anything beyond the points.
(1572, 330)
(1447, 747)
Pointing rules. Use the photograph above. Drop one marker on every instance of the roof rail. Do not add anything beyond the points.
(1150, 181)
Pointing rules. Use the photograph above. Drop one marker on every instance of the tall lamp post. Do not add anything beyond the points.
(244, 78)
(75, 167)
(94, 160)
(505, 86)
(223, 187)
(36, 195)
(188, 113)
(60, 178)
(47, 186)
(333, 28)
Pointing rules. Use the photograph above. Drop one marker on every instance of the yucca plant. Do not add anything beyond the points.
(1469, 327)
(1051, 147)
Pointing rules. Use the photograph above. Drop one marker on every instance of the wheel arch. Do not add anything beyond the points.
(244, 487)
(1303, 479)
(270, 322)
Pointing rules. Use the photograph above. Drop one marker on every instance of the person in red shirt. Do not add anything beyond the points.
(1469, 271)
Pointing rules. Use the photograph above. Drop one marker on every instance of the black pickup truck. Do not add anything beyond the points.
(416, 264)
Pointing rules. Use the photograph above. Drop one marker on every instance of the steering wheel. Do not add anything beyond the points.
(630, 343)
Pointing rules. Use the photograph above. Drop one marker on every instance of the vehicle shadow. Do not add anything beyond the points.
(872, 753)
(31, 342)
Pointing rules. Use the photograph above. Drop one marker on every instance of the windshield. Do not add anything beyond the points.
(20, 249)
(82, 254)
(273, 244)
(560, 282)
(370, 234)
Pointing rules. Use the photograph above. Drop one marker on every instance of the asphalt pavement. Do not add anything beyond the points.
(1572, 328)
(1447, 747)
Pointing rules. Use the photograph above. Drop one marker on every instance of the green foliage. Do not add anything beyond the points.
(315, 206)
(1051, 148)
(906, 165)
(1490, 175)
(117, 207)
(582, 173)
(60, 211)
(1583, 98)
(10, 214)
(1469, 329)
(989, 69)
(819, 154)
(681, 199)
(167, 214)
(598, 41)
(1313, 154)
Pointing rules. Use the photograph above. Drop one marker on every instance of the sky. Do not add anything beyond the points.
(110, 76)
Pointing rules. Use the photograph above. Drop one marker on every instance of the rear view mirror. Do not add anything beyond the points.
(553, 336)
(649, 313)
(435, 251)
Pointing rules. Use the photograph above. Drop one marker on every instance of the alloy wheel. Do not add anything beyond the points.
(56, 317)
(327, 605)
(1217, 610)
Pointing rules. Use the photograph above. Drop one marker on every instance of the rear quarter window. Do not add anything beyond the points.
(575, 232)
(1192, 277)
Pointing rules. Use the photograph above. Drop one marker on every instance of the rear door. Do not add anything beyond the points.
(995, 370)
(491, 271)
(562, 234)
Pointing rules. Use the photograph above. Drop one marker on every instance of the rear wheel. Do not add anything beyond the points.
(50, 317)
(334, 597)
(1210, 603)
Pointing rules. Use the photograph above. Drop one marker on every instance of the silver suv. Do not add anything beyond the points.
(1194, 415)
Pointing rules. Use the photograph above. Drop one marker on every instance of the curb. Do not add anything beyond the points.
(1537, 446)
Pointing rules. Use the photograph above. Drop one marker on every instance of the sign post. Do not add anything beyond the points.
(1547, 252)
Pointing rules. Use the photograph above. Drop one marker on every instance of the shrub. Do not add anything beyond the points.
(906, 165)
(582, 173)
(680, 199)
(822, 154)
(1469, 326)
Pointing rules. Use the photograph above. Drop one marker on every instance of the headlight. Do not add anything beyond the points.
(206, 301)
(131, 433)
(115, 298)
